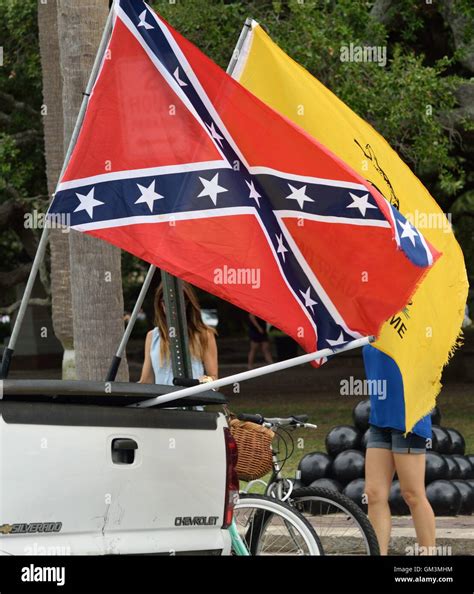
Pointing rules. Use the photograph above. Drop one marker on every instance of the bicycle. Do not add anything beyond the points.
(265, 526)
(262, 525)
(342, 527)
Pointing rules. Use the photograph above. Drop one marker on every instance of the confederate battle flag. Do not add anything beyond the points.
(180, 165)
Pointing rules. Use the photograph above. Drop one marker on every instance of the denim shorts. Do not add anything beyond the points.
(394, 440)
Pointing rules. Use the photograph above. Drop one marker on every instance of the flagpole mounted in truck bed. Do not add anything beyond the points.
(245, 375)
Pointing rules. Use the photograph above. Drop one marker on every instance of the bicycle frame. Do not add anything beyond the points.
(277, 481)
(238, 545)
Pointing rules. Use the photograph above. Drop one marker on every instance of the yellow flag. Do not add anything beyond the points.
(421, 338)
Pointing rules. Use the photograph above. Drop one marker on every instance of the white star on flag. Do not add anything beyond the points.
(408, 231)
(215, 134)
(299, 195)
(211, 188)
(339, 340)
(88, 202)
(253, 192)
(281, 248)
(143, 22)
(180, 82)
(148, 195)
(360, 202)
(307, 299)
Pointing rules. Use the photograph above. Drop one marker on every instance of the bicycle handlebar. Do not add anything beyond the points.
(252, 418)
(293, 421)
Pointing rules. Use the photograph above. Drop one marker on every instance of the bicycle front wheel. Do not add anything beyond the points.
(342, 526)
(271, 527)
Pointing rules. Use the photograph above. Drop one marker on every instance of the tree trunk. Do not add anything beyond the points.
(96, 280)
(455, 14)
(52, 111)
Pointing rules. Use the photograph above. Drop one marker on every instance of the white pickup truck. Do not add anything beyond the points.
(82, 473)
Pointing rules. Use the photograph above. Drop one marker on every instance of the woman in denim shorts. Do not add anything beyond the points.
(389, 449)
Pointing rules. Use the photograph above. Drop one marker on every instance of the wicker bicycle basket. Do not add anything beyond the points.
(253, 449)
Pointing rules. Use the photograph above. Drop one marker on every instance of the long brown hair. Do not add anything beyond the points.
(198, 331)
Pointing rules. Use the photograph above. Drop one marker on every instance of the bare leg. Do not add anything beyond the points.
(379, 471)
(252, 353)
(267, 355)
(411, 473)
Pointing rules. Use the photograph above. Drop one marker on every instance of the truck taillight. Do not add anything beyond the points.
(232, 481)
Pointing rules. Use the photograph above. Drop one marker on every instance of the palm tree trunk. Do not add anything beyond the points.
(96, 280)
(52, 111)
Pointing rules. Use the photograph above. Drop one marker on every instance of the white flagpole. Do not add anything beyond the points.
(245, 375)
(117, 358)
(246, 29)
(9, 351)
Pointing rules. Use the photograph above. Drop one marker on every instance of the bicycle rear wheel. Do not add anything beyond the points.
(271, 527)
(341, 525)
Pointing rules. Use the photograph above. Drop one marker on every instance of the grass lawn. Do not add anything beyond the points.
(327, 410)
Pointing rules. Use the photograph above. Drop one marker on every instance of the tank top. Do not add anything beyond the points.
(164, 373)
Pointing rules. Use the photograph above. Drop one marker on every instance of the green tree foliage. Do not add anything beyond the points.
(22, 163)
(22, 168)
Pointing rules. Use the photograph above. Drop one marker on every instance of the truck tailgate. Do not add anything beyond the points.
(79, 479)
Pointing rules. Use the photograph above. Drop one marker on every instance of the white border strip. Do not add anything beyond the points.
(148, 172)
(333, 311)
(394, 223)
(429, 255)
(257, 170)
(166, 218)
(283, 275)
(293, 214)
(166, 75)
(228, 211)
(197, 85)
